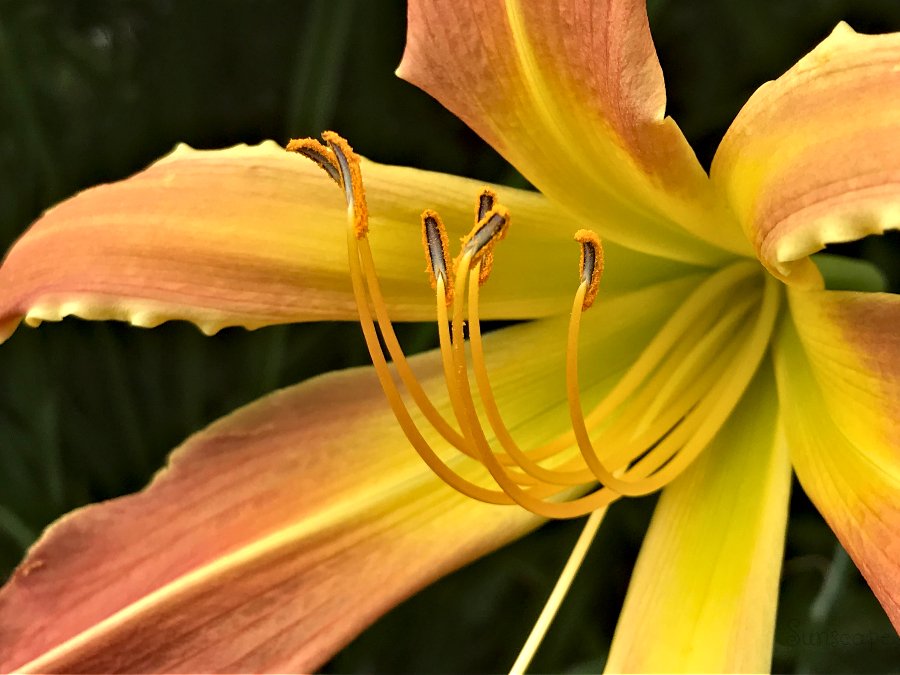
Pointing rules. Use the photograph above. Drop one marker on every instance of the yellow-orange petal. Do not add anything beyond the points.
(703, 595)
(253, 236)
(572, 94)
(813, 158)
(272, 539)
(838, 368)
(281, 531)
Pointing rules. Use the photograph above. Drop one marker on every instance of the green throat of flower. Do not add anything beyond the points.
(645, 431)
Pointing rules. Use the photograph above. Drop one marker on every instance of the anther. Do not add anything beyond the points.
(318, 153)
(486, 232)
(486, 201)
(436, 244)
(591, 264)
(351, 179)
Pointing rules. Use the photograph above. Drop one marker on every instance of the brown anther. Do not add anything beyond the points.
(437, 247)
(312, 149)
(591, 264)
(487, 232)
(486, 201)
(351, 179)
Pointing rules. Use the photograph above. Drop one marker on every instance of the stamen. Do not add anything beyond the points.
(485, 391)
(402, 415)
(487, 231)
(591, 264)
(676, 403)
(714, 288)
(434, 239)
(351, 179)
(312, 149)
(702, 305)
(685, 368)
(532, 499)
(486, 201)
(357, 248)
(721, 400)
(364, 255)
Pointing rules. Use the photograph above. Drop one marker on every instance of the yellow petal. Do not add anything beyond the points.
(838, 367)
(253, 236)
(703, 595)
(572, 95)
(277, 534)
(814, 157)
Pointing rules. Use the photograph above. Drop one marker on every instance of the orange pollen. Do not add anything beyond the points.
(479, 243)
(437, 246)
(351, 179)
(591, 264)
(318, 153)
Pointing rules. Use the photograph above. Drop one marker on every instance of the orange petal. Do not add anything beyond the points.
(280, 532)
(703, 595)
(272, 539)
(572, 94)
(814, 157)
(838, 367)
(253, 236)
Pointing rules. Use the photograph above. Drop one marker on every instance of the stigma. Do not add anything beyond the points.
(642, 433)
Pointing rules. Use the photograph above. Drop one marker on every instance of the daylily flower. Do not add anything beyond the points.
(712, 362)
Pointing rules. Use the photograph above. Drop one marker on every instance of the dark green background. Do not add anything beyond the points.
(93, 91)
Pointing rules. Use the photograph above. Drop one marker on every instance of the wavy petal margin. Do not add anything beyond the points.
(572, 94)
(280, 532)
(703, 595)
(838, 367)
(253, 236)
(813, 158)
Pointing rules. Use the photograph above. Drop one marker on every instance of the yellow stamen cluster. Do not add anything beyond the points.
(679, 391)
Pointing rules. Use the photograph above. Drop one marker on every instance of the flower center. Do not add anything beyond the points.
(644, 432)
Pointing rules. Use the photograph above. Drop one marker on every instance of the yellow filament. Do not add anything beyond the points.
(563, 583)
(696, 312)
(495, 419)
(575, 413)
(699, 306)
(682, 406)
(357, 217)
(625, 441)
(451, 364)
(409, 379)
(404, 419)
(661, 387)
(530, 500)
(721, 400)
(693, 363)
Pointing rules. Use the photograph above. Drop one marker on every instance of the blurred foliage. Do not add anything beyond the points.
(92, 90)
